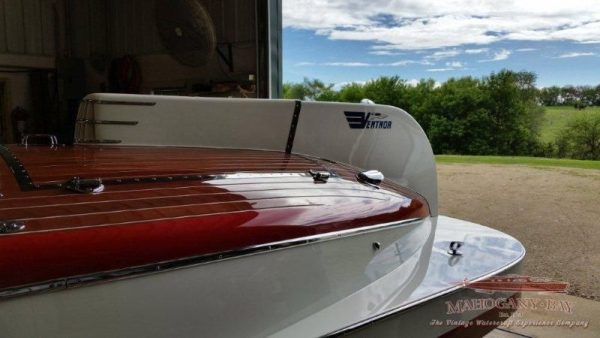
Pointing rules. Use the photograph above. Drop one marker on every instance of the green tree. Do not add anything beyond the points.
(353, 92)
(549, 96)
(294, 91)
(390, 90)
(581, 138)
(514, 113)
(459, 123)
(420, 102)
(307, 90)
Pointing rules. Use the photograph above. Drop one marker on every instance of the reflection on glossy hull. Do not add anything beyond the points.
(264, 294)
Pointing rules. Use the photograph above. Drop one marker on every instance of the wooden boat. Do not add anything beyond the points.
(214, 217)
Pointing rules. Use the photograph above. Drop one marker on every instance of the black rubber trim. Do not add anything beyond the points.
(21, 175)
(292, 134)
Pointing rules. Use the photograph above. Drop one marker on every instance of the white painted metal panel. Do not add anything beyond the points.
(186, 121)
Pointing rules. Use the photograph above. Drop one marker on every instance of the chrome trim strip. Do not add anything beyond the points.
(408, 306)
(52, 138)
(123, 123)
(124, 103)
(144, 270)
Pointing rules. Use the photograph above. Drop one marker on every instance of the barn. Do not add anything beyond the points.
(54, 52)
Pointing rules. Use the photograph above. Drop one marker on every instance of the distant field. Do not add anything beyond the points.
(556, 118)
(530, 161)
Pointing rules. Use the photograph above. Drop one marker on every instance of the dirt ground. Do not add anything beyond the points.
(554, 212)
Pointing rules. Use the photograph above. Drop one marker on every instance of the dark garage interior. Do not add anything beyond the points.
(54, 52)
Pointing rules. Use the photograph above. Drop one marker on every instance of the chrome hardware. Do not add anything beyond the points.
(454, 246)
(114, 122)
(52, 138)
(371, 177)
(376, 246)
(319, 176)
(86, 186)
(11, 227)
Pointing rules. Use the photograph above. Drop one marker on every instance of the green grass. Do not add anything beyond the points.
(557, 117)
(530, 161)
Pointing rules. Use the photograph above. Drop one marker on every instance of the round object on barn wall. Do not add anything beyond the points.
(186, 31)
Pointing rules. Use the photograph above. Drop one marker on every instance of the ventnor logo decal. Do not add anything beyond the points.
(361, 120)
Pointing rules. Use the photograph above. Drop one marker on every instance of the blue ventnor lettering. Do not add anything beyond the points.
(362, 120)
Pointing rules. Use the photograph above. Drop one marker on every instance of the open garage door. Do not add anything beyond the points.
(54, 52)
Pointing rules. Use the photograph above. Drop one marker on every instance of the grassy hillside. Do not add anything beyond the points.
(556, 118)
(520, 160)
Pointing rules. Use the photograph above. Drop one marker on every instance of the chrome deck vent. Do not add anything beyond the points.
(319, 176)
(370, 177)
(9, 227)
(84, 186)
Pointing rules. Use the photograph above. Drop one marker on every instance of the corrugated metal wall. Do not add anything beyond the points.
(110, 27)
(118, 27)
(27, 27)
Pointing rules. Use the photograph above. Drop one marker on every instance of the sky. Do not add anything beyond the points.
(342, 41)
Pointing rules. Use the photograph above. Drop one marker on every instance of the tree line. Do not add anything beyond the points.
(577, 96)
(499, 114)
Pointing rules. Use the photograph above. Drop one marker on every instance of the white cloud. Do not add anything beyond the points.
(398, 63)
(428, 24)
(450, 65)
(455, 64)
(575, 54)
(346, 64)
(525, 49)
(476, 51)
(443, 54)
(502, 54)
(363, 64)
(384, 53)
(440, 69)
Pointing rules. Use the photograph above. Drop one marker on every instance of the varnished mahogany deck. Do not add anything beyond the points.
(68, 233)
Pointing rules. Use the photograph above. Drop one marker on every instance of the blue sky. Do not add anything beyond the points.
(357, 40)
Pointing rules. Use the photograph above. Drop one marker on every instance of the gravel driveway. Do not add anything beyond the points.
(554, 212)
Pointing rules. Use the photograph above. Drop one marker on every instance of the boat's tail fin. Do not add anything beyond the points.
(368, 136)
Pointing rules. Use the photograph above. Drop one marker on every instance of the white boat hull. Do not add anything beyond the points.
(332, 286)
